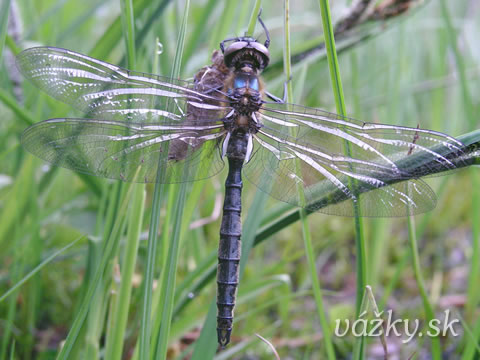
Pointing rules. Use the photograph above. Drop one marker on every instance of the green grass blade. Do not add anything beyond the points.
(108, 252)
(199, 29)
(224, 24)
(307, 236)
(167, 284)
(206, 345)
(146, 307)
(12, 352)
(337, 86)
(341, 109)
(98, 305)
(472, 348)
(4, 11)
(12, 45)
(177, 61)
(115, 342)
(473, 297)
(253, 17)
(19, 111)
(129, 31)
(11, 308)
(178, 198)
(110, 38)
(436, 349)
(16, 201)
(39, 267)
(452, 38)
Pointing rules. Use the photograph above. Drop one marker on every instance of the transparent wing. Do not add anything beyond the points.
(380, 166)
(105, 91)
(128, 152)
(151, 125)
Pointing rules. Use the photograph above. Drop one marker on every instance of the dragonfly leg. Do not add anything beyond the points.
(222, 43)
(267, 34)
(276, 99)
(216, 89)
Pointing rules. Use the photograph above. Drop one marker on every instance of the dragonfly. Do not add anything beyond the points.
(151, 129)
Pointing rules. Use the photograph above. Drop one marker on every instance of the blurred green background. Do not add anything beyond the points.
(420, 67)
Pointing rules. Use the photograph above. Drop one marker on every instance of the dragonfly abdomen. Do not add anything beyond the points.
(229, 250)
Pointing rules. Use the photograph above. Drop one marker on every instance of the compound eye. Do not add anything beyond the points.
(239, 82)
(253, 84)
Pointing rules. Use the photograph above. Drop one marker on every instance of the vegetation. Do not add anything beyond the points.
(77, 259)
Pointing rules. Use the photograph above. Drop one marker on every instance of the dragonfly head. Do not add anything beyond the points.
(246, 51)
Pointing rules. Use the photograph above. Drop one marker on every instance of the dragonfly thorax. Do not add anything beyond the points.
(246, 58)
(245, 89)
